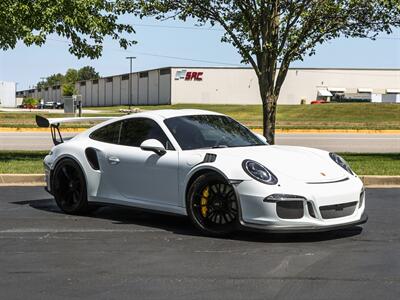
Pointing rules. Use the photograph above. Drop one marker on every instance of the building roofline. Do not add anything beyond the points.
(291, 68)
(248, 68)
(242, 68)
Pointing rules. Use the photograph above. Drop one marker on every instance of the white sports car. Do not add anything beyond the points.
(204, 165)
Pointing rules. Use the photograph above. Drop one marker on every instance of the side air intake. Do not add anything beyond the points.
(91, 156)
(209, 158)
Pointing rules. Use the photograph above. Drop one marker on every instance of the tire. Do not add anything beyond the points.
(212, 205)
(69, 187)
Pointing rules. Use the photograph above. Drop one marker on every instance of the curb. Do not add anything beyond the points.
(21, 179)
(258, 130)
(388, 181)
(39, 180)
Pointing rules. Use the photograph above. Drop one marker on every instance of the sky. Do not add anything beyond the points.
(175, 43)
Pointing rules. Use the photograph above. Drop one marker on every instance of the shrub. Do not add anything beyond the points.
(68, 89)
(31, 101)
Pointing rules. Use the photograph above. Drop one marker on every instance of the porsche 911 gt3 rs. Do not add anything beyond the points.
(204, 165)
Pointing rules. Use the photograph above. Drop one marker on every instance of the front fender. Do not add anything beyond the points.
(232, 172)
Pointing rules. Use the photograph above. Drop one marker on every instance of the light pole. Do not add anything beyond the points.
(130, 80)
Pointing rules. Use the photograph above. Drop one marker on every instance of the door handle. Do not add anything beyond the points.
(113, 160)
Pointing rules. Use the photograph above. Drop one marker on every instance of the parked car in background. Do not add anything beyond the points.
(319, 101)
(53, 105)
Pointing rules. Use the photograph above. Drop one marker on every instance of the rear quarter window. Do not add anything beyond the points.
(108, 133)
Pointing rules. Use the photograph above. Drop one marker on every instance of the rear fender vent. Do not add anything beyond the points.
(91, 156)
(209, 158)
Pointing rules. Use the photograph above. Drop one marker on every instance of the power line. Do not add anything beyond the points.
(177, 27)
(161, 56)
(219, 30)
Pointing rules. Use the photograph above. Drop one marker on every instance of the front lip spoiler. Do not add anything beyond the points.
(301, 229)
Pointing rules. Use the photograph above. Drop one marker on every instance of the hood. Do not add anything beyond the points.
(299, 163)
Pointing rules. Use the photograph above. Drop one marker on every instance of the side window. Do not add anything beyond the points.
(107, 134)
(135, 131)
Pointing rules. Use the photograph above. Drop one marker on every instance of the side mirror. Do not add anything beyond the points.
(261, 137)
(153, 145)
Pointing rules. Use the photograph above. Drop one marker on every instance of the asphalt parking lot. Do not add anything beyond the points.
(126, 254)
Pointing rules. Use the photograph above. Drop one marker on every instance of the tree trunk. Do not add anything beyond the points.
(269, 101)
(269, 118)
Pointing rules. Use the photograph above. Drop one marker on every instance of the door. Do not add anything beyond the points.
(141, 176)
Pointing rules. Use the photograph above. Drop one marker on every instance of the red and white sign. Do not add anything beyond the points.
(189, 75)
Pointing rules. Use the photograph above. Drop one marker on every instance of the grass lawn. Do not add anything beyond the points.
(22, 162)
(30, 162)
(323, 116)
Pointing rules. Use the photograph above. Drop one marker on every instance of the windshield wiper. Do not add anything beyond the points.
(219, 146)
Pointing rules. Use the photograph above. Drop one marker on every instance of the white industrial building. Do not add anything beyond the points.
(222, 85)
(7, 94)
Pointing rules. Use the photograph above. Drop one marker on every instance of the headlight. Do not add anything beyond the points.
(259, 172)
(341, 162)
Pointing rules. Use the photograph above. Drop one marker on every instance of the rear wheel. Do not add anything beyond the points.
(212, 205)
(69, 187)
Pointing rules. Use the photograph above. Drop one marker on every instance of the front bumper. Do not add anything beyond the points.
(324, 207)
(304, 229)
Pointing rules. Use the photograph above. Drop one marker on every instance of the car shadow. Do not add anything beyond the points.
(181, 225)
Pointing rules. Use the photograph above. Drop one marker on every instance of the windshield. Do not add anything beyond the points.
(210, 131)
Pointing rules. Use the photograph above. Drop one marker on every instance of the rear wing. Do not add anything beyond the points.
(54, 124)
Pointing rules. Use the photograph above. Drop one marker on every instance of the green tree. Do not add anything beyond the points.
(85, 23)
(69, 89)
(54, 79)
(71, 76)
(87, 73)
(271, 34)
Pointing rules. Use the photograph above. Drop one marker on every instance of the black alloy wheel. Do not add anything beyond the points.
(69, 187)
(212, 205)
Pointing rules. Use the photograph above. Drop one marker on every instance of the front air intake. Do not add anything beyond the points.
(338, 210)
(290, 209)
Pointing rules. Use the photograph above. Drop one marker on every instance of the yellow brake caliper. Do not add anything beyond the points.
(204, 200)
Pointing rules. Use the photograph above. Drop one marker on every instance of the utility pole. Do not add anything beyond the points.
(130, 80)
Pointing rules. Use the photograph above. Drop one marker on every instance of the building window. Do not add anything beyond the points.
(96, 81)
(83, 83)
(109, 79)
(46, 89)
(125, 77)
(143, 74)
(165, 71)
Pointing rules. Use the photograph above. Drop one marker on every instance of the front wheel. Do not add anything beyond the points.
(212, 205)
(69, 187)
